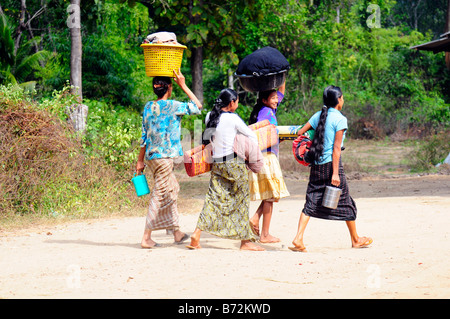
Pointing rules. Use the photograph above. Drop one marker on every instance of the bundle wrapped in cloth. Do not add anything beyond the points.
(301, 146)
(262, 62)
(161, 37)
(264, 69)
(248, 150)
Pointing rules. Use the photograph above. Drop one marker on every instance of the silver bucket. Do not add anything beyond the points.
(331, 197)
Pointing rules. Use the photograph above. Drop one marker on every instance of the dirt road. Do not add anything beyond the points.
(408, 218)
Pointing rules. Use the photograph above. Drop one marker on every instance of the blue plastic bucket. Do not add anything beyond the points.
(140, 185)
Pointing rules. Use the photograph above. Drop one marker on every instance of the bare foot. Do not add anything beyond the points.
(254, 225)
(248, 245)
(269, 239)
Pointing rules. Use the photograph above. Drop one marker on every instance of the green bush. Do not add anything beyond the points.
(113, 134)
(430, 152)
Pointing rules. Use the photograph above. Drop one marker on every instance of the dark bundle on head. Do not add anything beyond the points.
(224, 99)
(331, 97)
(259, 105)
(161, 85)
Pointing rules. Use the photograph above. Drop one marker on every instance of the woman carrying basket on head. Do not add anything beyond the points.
(326, 169)
(160, 144)
(225, 211)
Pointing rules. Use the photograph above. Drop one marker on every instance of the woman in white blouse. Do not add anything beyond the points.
(225, 212)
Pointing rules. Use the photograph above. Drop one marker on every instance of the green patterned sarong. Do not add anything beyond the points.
(226, 208)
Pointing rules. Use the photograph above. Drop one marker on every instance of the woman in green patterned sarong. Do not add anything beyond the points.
(226, 208)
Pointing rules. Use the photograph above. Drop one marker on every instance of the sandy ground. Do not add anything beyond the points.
(410, 257)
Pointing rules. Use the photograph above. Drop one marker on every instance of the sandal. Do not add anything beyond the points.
(298, 249)
(192, 245)
(365, 244)
(186, 236)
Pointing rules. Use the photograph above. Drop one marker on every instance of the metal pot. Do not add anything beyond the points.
(331, 197)
(253, 83)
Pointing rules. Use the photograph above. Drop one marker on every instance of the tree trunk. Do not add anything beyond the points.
(21, 27)
(230, 79)
(447, 29)
(197, 72)
(196, 59)
(416, 15)
(74, 23)
(77, 112)
(447, 24)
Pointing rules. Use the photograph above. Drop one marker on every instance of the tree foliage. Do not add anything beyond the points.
(386, 84)
(17, 65)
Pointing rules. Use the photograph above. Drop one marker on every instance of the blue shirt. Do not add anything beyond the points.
(335, 122)
(161, 131)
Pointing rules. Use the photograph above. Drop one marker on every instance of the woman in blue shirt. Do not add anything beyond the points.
(326, 169)
(160, 144)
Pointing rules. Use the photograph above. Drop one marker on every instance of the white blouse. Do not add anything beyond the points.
(229, 125)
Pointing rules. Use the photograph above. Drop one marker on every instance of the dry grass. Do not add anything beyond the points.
(45, 174)
(373, 157)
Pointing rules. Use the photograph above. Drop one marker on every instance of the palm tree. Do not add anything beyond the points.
(18, 67)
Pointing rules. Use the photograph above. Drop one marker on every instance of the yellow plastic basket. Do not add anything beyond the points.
(162, 59)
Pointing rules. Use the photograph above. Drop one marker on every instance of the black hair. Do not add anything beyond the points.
(330, 99)
(224, 99)
(259, 105)
(161, 85)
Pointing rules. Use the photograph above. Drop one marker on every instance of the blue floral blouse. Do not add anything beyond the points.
(161, 124)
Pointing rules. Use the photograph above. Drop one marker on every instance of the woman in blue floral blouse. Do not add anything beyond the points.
(160, 144)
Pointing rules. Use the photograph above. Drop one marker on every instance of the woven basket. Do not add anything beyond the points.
(266, 133)
(162, 59)
(198, 160)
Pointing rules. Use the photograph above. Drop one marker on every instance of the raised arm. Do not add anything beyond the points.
(282, 88)
(180, 80)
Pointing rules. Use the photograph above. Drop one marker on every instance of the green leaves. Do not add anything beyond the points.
(18, 66)
(197, 34)
(6, 43)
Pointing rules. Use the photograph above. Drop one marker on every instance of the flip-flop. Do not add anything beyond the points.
(156, 245)
(365, 244)
(193, 247)
(298, 249)
(186, 236)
